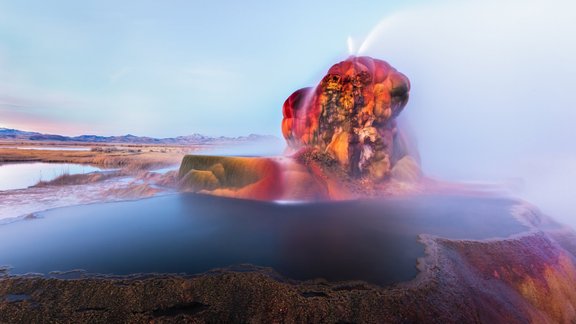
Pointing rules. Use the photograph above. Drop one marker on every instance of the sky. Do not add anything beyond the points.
(492, 96)
(167, 68)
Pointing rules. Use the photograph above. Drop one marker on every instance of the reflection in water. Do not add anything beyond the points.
(24, 175)
(374, 241)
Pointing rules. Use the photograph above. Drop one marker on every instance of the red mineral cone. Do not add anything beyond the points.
(350, 115)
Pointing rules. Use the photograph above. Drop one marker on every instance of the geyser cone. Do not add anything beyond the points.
(350, 116)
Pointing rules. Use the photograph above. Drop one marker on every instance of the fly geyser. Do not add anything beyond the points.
(342, 136)
(350, 116)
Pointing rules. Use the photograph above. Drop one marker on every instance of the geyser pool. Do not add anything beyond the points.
(375, 241)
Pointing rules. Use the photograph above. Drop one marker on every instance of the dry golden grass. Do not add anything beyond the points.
(129, 158)
(78, 179)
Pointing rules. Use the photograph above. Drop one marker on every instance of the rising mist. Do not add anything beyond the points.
(491, 97)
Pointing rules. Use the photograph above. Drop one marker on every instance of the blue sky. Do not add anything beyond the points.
(166, 68)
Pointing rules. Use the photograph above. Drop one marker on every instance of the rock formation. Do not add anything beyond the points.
(351, 115)
(239, 177)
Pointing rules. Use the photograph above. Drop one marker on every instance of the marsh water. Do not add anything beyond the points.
(375, 241)
(23, 175)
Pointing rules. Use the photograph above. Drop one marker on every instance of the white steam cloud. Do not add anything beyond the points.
(492, 92)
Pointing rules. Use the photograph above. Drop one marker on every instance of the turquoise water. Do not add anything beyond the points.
(375, 241)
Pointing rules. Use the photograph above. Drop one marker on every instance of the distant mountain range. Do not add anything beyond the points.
(14, 134)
